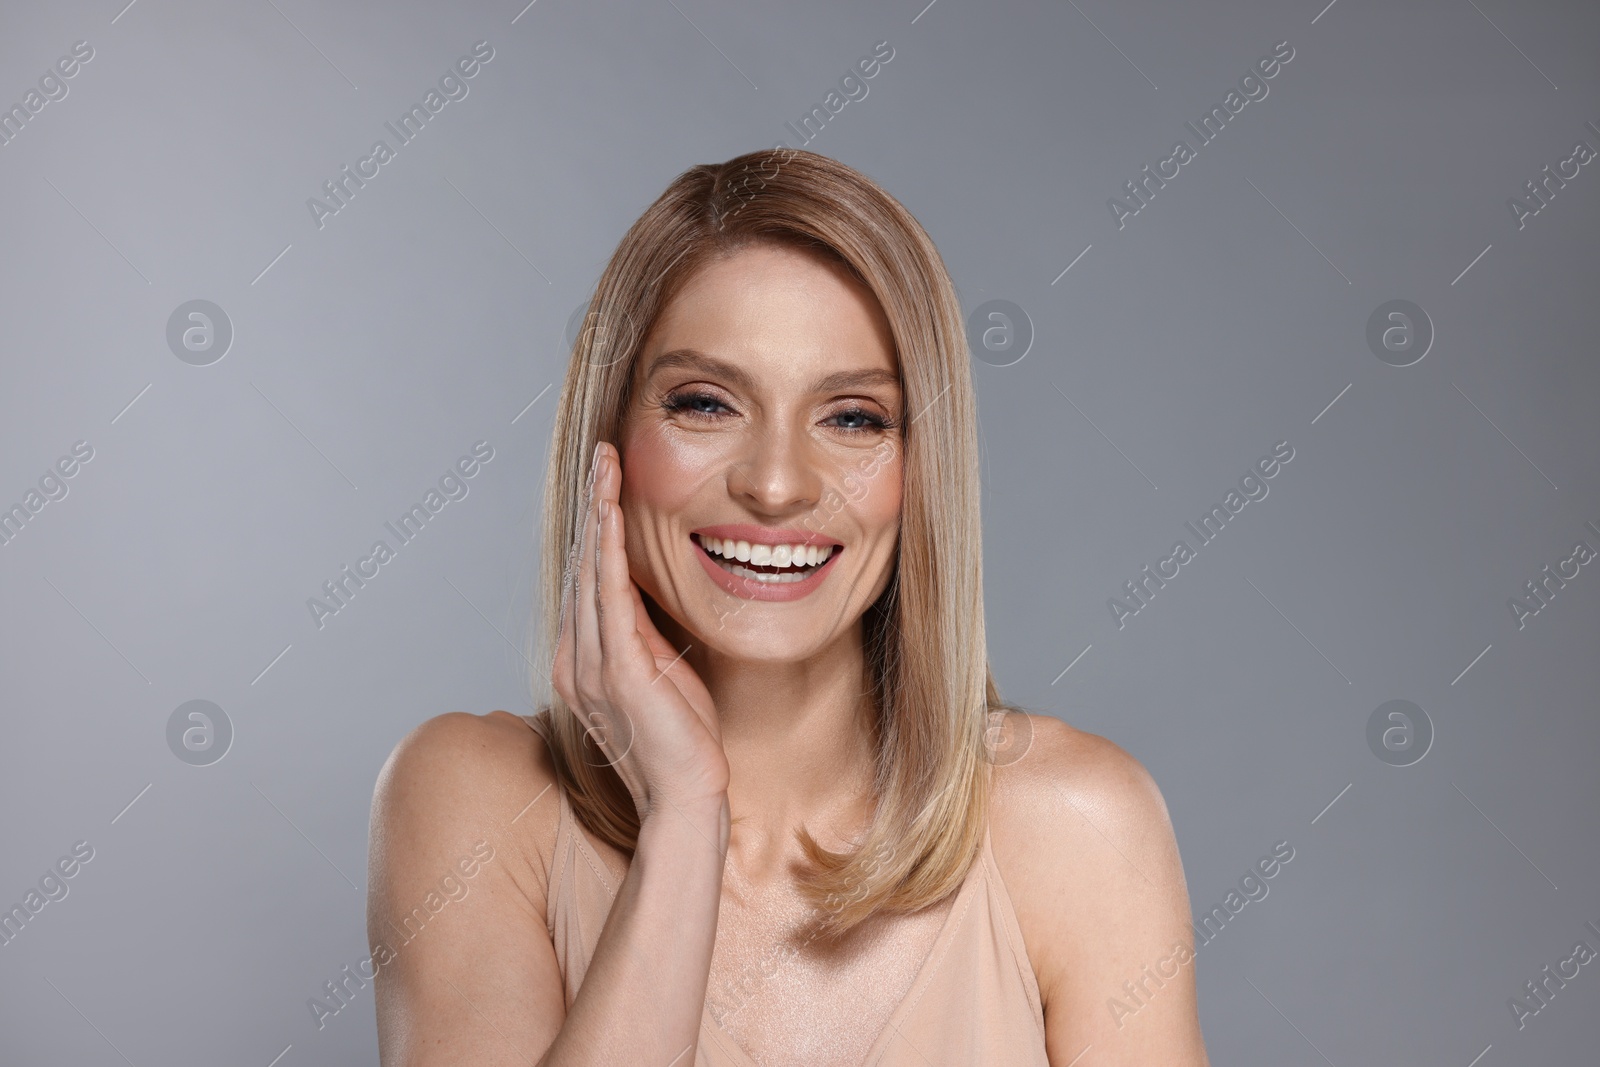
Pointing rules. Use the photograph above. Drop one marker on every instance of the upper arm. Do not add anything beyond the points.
(1100, 895)
(466, 971)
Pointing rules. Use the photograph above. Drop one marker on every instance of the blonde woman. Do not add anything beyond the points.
(773, 810)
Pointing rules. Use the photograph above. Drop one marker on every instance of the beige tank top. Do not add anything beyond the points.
(975, 999)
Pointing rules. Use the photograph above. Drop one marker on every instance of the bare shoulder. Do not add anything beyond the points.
(1084, 842)
(459, 776)
(1064, 768)
(463, 825)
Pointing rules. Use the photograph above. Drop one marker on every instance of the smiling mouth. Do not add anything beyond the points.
(768, 564)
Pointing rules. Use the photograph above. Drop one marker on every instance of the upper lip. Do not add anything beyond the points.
(765, 535)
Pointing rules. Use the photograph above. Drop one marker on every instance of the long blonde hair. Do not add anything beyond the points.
(927, 660)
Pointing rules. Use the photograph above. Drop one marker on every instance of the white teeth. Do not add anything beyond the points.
(765, 577)
(796, 556)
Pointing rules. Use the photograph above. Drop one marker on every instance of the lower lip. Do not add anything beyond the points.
(751, 589)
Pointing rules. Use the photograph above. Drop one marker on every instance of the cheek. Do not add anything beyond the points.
(876, 500)
(656, 476)
(661, 478)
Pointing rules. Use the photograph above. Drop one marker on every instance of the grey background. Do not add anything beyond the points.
(1228, 315)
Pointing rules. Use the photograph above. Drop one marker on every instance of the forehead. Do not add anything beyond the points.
(777, 308)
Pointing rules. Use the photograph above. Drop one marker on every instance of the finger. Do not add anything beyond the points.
(566, 657)
(563, 666)
(624, 650)
(586, 634)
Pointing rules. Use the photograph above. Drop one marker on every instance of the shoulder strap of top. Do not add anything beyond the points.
(1012, 929)
(561, 853)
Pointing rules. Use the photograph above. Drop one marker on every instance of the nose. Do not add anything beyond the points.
(778, 473)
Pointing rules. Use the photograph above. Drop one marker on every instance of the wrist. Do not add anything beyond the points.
(674, 820)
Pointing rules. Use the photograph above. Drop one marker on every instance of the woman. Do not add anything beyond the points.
(774, 810)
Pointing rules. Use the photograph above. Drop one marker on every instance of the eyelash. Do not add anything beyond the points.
(681, 402)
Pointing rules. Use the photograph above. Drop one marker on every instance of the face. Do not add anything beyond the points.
(761, 456)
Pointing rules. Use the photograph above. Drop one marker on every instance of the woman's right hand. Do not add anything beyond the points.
(644, 707)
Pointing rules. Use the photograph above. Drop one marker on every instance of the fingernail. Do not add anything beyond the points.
(605, 509)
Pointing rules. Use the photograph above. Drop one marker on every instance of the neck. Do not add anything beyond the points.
(797, 734)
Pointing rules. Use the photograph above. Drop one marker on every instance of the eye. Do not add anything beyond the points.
(695, 404)
(859, 420)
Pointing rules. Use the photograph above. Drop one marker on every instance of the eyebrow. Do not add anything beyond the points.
(694, 359)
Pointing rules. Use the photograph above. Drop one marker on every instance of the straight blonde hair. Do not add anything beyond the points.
(927, 660)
